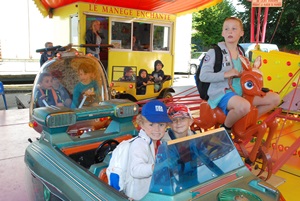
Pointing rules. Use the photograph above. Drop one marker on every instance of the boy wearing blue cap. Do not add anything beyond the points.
(153, 121)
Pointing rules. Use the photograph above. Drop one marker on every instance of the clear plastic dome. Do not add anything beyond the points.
(70, 80)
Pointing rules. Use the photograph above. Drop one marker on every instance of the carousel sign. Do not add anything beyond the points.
(266, 3)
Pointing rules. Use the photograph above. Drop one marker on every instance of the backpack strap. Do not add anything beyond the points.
(131, 140)
(218, 58)
(54, 96)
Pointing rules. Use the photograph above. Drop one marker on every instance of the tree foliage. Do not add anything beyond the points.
(283, 25)
(208, 23)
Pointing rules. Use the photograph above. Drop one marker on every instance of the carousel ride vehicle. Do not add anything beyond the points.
(69, 160)
(72, 80)
(66, 167)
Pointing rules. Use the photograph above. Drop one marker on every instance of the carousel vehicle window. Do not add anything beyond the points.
(120, 73)
(103, 26)
(141, 36)
(161, 38)
(121, 35)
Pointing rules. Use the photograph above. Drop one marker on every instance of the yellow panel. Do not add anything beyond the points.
(41, 7)
(288, 189)
(278, 69)
(62, 24)
(142, 60)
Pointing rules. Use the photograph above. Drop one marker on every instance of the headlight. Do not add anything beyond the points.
(127, 110)
(113, 92)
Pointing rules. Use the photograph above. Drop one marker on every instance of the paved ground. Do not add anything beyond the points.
(13, 92)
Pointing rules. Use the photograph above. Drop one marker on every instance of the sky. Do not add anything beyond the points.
(240, 8)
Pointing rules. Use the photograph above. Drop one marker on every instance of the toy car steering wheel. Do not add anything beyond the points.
(104, 148)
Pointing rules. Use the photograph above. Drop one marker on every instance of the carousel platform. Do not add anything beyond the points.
(15, 133)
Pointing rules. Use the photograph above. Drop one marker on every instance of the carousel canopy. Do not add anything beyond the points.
(163, 6)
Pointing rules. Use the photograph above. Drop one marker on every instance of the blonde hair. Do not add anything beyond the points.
(140, 119)
(236, 19)
(93, 24)
(86, 68)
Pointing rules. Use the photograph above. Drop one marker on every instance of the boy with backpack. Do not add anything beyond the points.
(219, 93)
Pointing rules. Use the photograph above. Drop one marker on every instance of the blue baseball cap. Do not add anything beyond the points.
(155, 111)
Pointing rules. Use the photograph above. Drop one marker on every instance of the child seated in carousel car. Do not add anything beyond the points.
(86, 92)
(141, 82)
(128, 74)
(158, 75)
(46, 95)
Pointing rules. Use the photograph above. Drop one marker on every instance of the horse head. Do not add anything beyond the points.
(252, 79)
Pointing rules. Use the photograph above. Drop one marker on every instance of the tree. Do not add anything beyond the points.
(208, 23)
(283, 25)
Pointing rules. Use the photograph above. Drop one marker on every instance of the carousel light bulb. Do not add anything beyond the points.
(269, 78)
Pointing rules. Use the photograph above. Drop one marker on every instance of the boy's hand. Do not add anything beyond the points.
(231, 73)
(89, 92)
(59, 104)
(43, 96)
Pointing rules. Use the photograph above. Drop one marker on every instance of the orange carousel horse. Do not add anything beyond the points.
(247, 127)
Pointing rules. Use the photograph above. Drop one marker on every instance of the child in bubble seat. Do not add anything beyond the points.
(60, 89)
(86, 92)
(46, 95)
(141, 82)
(157, 75)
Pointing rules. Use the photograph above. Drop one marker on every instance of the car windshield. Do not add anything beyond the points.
(124, 73)
(186, 162)
(245, 45)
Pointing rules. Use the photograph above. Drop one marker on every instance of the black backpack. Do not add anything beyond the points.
(203, 86)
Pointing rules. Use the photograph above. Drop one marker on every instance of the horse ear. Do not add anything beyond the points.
(257, 62)
(245, 62)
